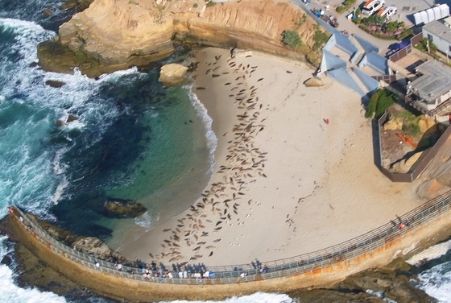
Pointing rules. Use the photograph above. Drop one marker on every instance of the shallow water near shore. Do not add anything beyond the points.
(133, 139)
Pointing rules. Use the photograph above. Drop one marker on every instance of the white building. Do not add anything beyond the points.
(439, 33)
(430, 92)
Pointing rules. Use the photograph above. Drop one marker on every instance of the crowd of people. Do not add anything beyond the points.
(184, 271)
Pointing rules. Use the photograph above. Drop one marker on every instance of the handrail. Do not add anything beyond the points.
(268, 270)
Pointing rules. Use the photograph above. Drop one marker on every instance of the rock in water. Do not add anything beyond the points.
(66, 120)
(71, 118)
(314, 82)
(123, 208)
(55, 83)
(173, 74)
(47, 12)
(94, 246)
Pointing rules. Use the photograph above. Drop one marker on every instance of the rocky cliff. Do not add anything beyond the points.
(115, 34)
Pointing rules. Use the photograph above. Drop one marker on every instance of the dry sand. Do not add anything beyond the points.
(285, 182)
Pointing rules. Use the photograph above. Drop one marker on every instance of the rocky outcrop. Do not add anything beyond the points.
(425, 123)
(405, 165)
(123, 208)
(430, 189)
(173, 74)
(93, 246)
(391, 282)
(116, 34)
(393, 123)
(77, 5)
(66, 120)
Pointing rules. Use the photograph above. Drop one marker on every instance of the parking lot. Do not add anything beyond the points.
(406, 8)
(405, 11)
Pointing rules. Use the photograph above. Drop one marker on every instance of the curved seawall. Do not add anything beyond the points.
(425, 225)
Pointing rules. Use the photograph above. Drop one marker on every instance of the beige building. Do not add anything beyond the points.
(430, 92)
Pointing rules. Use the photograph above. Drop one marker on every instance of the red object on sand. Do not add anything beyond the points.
(326, 120)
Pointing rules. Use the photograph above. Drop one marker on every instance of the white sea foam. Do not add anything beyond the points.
(25, 84)
(11, 293)
(207, 121)
(29, 81)
(145, 220)
(72, 125)
(59, 167)
(255, 298)
(59, 191)
(436, 282)
(430, 253)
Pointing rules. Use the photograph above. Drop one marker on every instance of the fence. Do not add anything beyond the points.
(401, 53)
(419, 166)
(386, 78)
(245, 272)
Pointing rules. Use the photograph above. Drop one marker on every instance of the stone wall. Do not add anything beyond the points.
(436, 229)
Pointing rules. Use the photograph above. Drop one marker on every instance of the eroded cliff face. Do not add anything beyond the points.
(253, 24)
(122, 33)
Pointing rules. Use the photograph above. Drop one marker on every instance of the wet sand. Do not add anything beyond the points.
(294, 169)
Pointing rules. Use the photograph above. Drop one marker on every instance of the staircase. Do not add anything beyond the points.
(357, 57)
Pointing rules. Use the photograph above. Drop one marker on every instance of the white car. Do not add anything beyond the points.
(371, 6)
(390, 11)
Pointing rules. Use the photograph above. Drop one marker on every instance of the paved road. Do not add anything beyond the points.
(405, 9)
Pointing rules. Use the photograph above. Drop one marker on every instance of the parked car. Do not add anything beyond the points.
(369, 7)
(390, 11)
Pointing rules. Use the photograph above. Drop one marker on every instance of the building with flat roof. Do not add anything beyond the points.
(430, 92)
(439, 33)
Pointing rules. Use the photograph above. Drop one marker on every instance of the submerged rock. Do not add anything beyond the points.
(55, 83)
(66, 120)
(123, 208)
(173, 74)
(47, 12)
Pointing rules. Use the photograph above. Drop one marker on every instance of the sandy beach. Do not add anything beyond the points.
(294, 169)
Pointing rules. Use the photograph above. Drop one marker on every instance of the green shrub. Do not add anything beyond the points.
(393, 26)
(380, 101)
(345, 5)
(340, 9)
(291, 39)
(320, 39)
(373, 20)
(423, 46)
(301, 20)
(410, 125)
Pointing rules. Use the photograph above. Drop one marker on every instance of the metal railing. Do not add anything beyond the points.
(246, 272)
